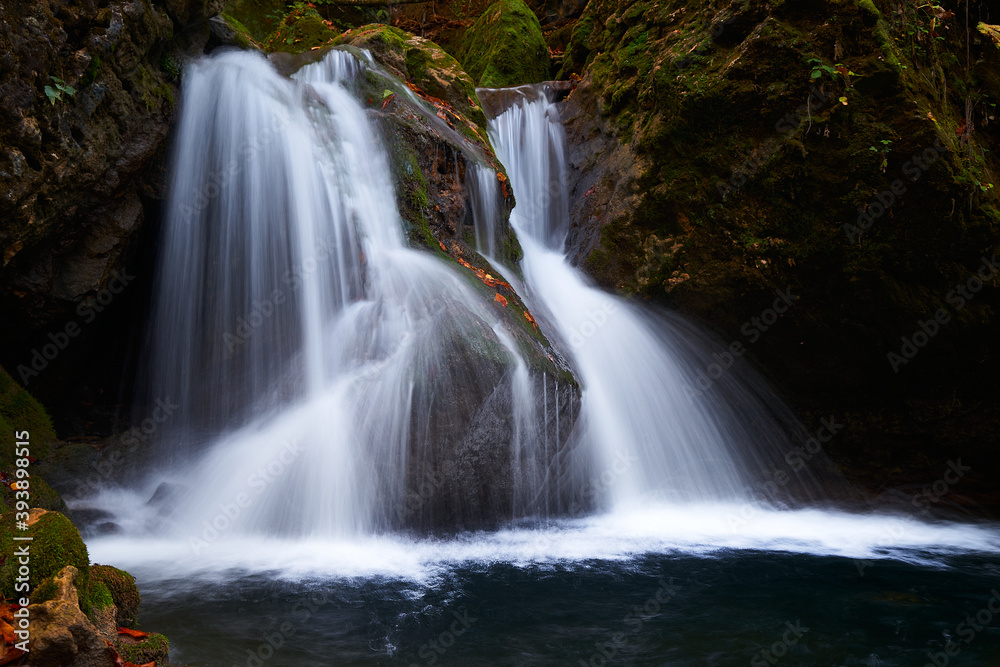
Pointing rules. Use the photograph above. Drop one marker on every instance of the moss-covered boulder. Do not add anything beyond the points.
(427, 112)
(122, 590)
(300, 30)
(56, 543)
(258, 18)
(505, 47)
(61, 634)
(153, 648)
(19, 412)
(229, 32)
(427, 66)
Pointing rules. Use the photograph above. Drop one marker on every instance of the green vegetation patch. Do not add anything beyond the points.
(56, 544)
(122, 589)
(19, 411)
(505, 47)
(154, 648)
(300, 30)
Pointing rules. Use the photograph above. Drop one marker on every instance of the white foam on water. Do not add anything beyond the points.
(702, 531)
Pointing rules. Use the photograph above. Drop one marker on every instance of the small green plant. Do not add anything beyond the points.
(835, 72)
(883, 150)
(55, 93)
(819, 68)
(838, 73)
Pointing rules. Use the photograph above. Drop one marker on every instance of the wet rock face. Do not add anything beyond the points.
(475, 480)
(86, 99)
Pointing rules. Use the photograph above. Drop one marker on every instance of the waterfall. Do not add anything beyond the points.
(339, 390)
(332, 381)
(649, 431)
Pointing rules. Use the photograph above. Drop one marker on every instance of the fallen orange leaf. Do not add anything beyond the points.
(501, 300)
(134, 634)
(11, 655)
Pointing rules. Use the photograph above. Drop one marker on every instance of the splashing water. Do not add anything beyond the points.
(317, 359)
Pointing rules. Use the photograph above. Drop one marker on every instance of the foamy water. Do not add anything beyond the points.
(694, 530)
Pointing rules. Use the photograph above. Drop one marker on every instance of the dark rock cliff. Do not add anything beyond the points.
(725, 150)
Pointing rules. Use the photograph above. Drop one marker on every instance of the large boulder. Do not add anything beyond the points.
(505, 47)
(62, 634)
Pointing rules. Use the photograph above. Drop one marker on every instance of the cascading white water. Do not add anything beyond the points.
(315, 356)
(649, 431)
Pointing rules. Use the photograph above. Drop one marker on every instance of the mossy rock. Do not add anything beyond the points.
(56, 544)
(154, 648)
(505, 47)
(239, 35)
(301, 30)
(122, 590)
(42, 496)
(45, 591)
(19, 411)
(427, 66)
(258, 18)
(99, 596)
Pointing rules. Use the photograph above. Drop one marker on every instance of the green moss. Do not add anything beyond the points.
(154, 648)
(257, 18)
(417, 62)
(42, 495)
(123, 591)
(99, 596)
(152, 89)
(869, 8)
(92, 69)
(301, 30)
(170, 67)
(44, 592)
(241, 34)
(56, 544)
(505, 47)
(19, 411)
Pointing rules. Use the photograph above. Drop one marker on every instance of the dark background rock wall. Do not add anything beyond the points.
(722, 151)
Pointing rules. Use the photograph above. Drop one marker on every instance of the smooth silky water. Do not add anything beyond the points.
(297, 413)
